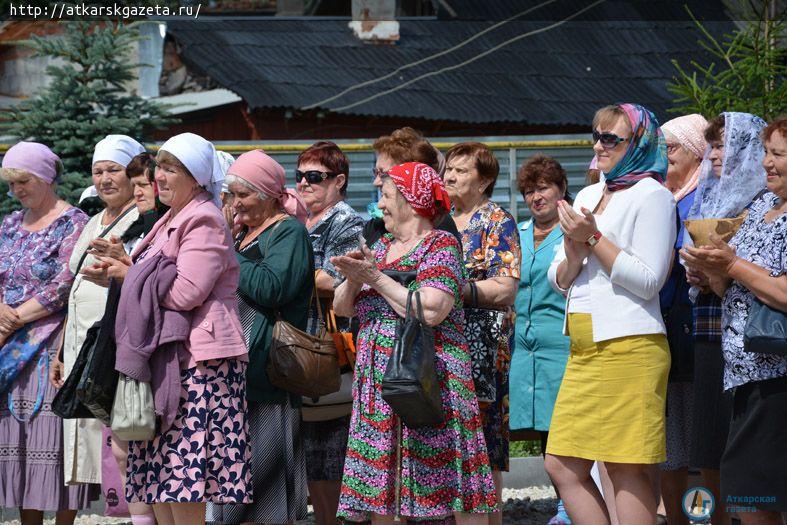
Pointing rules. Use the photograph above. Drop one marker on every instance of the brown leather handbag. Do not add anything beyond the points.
(301, 363)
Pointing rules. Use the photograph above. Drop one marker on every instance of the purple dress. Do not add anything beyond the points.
(35, 265)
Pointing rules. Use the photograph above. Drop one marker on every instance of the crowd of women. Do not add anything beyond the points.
(618, 335)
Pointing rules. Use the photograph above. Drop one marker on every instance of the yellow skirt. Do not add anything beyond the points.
(611, 403)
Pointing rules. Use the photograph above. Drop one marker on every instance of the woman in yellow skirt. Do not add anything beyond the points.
(615, 258)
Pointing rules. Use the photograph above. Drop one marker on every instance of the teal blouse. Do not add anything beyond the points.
(282, 280)
(540, 348)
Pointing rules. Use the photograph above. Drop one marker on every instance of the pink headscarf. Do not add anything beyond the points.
(690, 132)
(34, 158)
(267, 175)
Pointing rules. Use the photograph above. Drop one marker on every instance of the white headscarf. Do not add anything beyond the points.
(200, 158)
(117, 148)
(742, 174)
(88, 193)
(225, 161)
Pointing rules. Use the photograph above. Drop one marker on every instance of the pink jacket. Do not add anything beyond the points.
(199, 241)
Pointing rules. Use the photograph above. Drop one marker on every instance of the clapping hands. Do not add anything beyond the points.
(101, 247)
(358, 266)
(576, 227)
(107, 268)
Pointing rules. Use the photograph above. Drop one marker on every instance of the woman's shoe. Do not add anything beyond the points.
(560, 518)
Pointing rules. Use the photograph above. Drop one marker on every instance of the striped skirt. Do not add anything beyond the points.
(278, 469)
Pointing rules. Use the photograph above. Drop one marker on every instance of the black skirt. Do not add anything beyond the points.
(754, 465)
(712, 407)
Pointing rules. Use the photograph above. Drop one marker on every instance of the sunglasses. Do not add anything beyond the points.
(379, 172)
(608, 140)
(313, 176)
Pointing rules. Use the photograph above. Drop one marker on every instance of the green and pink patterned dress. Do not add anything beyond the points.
(444, 469)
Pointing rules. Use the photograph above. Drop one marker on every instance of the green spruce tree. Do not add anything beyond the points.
(87, 99)
(749, 68)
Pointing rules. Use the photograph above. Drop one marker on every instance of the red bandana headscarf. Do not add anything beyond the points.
(421, 187)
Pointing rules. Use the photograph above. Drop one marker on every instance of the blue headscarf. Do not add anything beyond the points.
(646, 155)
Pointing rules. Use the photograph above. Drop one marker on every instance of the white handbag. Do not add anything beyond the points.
(133, 415)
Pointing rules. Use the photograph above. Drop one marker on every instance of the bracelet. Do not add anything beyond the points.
(473, 293)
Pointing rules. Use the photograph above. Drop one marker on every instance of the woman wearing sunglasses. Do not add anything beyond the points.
(333, 227)
(615, 257)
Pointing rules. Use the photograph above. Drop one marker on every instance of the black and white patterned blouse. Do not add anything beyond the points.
(764, 244)
(335, 234)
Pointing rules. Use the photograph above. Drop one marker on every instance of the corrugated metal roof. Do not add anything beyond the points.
(559, 76)
(555, 9)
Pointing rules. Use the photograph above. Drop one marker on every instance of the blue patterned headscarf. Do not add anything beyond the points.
(646, 155)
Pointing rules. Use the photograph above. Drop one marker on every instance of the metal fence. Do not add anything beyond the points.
(572, 151)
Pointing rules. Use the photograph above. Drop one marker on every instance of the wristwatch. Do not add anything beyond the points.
(593, 239)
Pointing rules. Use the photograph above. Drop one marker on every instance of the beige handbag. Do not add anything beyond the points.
(133, 415)
(701, 229)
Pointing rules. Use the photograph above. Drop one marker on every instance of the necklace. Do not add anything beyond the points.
(468, 215)
(255, 232)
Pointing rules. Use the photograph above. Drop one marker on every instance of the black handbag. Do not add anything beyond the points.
(679, 320)
(98, 384)
(410, 385)
(65, 403)
(484, 329)
(89, 390)
(766, 330)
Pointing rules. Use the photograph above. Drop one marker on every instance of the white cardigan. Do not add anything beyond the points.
(641, 222)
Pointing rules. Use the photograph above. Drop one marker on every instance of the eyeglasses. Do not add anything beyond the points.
(608, 140)
(313, 176)
(379, 172)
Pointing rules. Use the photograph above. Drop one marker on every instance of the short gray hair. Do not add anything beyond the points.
(234, 179)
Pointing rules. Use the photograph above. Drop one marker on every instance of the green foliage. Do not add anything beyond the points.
(86, 100)
(523, 449)
(747, 74)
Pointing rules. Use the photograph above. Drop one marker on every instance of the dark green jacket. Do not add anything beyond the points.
(281, 281)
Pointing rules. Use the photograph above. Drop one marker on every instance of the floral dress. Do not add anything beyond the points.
(764, 244)
(34, 265)
(443, 469)
(492, 249)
